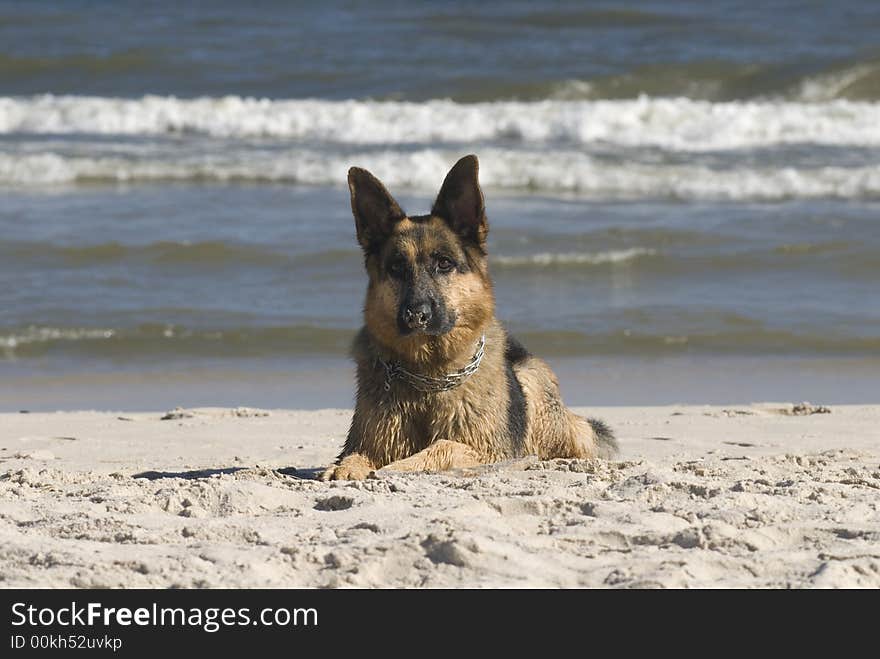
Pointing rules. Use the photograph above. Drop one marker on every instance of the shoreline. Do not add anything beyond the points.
(328, 381)
(701, 496)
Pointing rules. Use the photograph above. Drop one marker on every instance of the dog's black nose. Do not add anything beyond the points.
(417, 316)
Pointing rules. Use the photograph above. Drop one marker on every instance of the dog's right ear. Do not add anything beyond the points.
(375, 211)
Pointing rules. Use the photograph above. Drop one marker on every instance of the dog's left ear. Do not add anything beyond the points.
(460, 201)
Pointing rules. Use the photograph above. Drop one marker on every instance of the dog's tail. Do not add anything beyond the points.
(606, 443)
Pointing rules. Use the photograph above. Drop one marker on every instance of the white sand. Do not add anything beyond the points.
(701, 496)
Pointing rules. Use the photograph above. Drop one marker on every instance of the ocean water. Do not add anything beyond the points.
(683, 197)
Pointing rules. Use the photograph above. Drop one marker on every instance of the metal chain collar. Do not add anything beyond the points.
(427, 383)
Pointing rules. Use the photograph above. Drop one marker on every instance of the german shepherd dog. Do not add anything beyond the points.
(440, 384)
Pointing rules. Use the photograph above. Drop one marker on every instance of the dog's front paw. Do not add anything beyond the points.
(351, 468)
(345, 473)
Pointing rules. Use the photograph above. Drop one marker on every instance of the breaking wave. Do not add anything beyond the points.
(561, 172)
(669, 123)
(150, 341)
(547, 259)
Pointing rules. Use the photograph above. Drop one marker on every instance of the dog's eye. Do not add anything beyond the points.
(395, 268)
(445, 264)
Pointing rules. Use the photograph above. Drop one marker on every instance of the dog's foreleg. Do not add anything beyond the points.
(439, 456)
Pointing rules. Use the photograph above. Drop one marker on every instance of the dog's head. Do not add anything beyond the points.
(429, 291)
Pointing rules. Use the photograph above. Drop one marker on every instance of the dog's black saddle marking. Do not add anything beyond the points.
(515, 353)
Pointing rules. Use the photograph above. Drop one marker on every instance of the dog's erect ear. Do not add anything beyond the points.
(460, 201)
(375, 211)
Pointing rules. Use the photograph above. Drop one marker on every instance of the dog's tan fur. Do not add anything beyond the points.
(510, 407)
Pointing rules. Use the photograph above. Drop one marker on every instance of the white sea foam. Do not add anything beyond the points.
(9, 342)
(563, 172)
(547, 259)
(548, 146)
(669, 123)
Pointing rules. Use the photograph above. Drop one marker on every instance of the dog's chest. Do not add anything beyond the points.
(461, 415)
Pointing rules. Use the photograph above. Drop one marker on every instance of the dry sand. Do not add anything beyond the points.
(700, 497)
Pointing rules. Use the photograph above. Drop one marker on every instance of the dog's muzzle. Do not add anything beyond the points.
(417, 316)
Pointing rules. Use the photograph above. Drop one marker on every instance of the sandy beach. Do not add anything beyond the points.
(767, 495)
